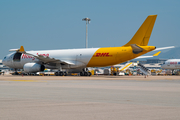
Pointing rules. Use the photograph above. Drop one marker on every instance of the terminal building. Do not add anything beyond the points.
(151, 61)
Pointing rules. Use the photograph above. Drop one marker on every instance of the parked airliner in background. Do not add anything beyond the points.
(171, 64)
(77, 60)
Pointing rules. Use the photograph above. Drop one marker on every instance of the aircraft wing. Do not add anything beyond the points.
(43, 58)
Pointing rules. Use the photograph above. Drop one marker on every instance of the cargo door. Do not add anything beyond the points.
(17, 60)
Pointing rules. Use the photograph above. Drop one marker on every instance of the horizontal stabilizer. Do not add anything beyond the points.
(136, 49)
(21, 49)
(11, 50)
(163, 48)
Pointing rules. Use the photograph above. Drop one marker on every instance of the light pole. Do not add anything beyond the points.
(87, 22)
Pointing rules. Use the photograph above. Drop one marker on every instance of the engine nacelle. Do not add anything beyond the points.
(33, 67)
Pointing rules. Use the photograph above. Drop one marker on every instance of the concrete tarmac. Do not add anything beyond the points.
(89, 98)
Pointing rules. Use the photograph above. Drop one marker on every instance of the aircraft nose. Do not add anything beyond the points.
(4, 61)
(162, 66)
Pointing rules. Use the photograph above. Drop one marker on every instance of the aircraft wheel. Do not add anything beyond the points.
(114, 74)
(85, 73)
(16, 73)
(89, 74)
(65, 73)
(56, 74)
(60, 73)
(81, 74)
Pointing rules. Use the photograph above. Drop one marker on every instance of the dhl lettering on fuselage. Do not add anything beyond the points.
(113, 55)
(102, 55)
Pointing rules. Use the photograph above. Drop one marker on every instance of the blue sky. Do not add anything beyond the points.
(57, 24)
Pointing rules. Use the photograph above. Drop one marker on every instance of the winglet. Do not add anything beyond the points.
(21, 49)
(156, 54)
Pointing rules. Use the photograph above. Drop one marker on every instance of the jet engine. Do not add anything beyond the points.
(33, 67)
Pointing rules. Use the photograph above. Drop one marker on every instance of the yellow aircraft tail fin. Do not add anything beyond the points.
(144, 32)
(21, 49)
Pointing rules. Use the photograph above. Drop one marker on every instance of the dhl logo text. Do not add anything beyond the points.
(102, 55)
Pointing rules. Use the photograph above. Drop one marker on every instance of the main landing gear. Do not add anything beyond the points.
(60, 73)
(85, 73)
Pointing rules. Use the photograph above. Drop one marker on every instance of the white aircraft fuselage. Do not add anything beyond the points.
(171, 64)
(78, 58)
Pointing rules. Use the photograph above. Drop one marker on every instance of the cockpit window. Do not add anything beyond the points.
(4, 57)
(17, 57)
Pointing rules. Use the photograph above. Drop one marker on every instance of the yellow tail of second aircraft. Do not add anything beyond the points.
(137, 46)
